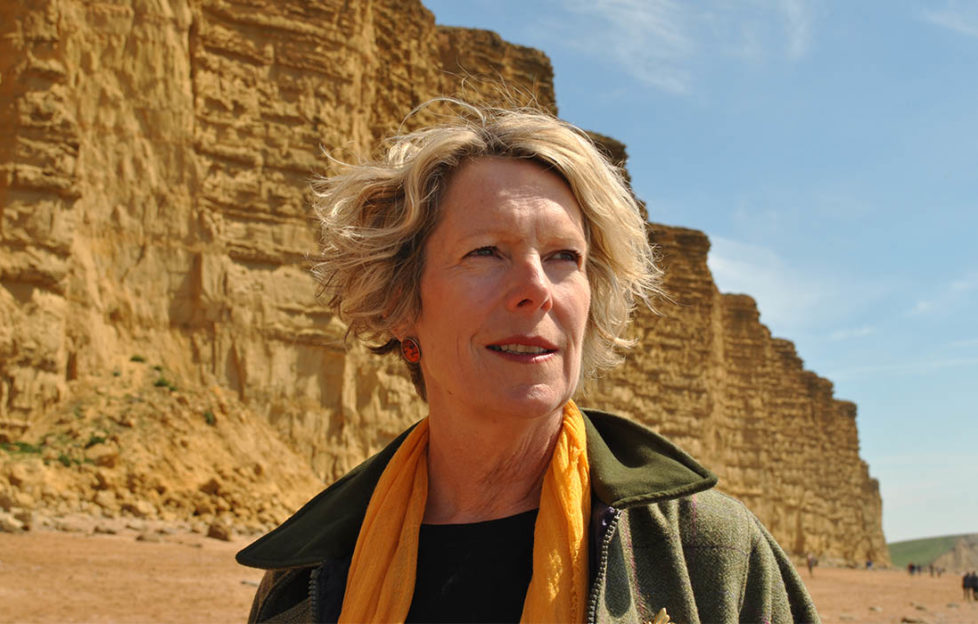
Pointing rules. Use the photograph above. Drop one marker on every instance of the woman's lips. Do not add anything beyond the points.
(520, 349)
(523, 347)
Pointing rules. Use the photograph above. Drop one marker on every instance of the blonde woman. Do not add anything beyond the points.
(501, 256)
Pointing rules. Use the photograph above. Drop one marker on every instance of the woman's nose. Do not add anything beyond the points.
(530, 287)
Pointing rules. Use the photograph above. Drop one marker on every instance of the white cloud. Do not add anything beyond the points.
(961, 17)
(649, 39)
(798, 27)
(965, 284)
(922, 307)
(755, 29)
(787, 298)
(856, 332)
(947, 297)
(659, 42)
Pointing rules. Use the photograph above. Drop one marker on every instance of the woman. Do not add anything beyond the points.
(501, 256)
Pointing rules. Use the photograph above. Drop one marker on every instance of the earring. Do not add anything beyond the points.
(411, 350)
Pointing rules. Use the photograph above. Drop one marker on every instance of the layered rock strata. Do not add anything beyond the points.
(707, 374)
(154, 167)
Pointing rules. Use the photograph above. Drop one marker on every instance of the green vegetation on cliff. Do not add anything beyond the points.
(921, 551)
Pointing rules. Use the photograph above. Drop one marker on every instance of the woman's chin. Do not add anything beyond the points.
(534, 401)
(501, 401)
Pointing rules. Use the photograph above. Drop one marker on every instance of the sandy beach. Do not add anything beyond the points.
(50, 576)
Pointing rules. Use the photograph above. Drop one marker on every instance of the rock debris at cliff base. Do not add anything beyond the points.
(132, 444)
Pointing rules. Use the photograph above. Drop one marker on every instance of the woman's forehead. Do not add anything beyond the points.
(511, 189)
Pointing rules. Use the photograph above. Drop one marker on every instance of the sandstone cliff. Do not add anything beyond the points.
(708, 375)
(962, 558)
(154, 165)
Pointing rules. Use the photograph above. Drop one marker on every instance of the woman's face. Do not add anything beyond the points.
(504, 293)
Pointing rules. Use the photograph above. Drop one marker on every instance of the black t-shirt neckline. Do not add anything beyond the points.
(476, 572)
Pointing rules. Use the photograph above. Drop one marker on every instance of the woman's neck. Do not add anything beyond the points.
(485, 469)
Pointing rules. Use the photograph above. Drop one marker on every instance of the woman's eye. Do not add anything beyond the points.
(568, 254)
(488, 251)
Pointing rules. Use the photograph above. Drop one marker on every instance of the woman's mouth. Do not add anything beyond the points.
(520, 349)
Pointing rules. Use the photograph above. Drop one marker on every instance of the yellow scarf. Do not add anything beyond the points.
(380, 585)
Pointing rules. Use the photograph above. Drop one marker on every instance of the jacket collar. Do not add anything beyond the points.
(630, 465)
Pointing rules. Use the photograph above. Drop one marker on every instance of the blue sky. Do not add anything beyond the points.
(830, 151)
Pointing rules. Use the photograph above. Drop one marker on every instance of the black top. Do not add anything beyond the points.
(474, 572)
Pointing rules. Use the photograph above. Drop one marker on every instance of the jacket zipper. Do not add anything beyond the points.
(609, 533)
(313, 593)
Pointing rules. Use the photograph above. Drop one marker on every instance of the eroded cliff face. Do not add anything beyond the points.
(154, 167)
(708, 375)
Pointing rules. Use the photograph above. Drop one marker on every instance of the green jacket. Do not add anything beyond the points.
(661, 538)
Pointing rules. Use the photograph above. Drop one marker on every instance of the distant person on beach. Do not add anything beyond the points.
(500, 255)
(970, 585)
(811, 562)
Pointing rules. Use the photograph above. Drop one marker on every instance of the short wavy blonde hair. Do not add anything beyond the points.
(376, 218)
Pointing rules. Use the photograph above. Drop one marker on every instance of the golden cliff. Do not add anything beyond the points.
(154, 167)
(708, 375)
